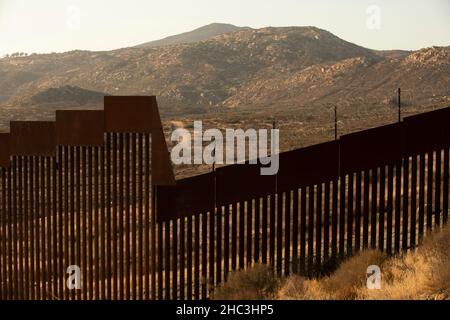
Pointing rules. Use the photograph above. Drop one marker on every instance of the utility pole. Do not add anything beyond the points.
(399, 94)
(214, 157)
(274, 126)
(335, 123)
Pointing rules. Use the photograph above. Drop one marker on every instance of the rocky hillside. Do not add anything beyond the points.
(66, 94)
(200, 34)
(423, 77)
(269, 66)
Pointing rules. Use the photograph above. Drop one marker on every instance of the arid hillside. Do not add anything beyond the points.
(200, 34)
(239, 78)
(261, 67)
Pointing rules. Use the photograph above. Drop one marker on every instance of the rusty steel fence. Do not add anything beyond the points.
(77, 192)
(383, 188)
(95, 189)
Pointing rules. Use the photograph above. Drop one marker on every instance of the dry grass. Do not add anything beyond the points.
(344, 284)
(420, 274)
(257, 283)
(423, 273)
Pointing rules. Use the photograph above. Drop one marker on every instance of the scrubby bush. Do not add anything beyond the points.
(344, 284)
(257, 283)
(423, 273)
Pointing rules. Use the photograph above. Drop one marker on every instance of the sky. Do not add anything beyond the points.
(63, 25)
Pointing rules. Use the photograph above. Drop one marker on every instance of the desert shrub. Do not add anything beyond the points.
(422, 273)
(344, 284)
(256, 283)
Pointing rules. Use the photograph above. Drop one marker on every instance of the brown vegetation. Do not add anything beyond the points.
(423, 273)
(257, 284)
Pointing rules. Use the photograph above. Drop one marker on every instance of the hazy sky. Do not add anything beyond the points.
(62, 25)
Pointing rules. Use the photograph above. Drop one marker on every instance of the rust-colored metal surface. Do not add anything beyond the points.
(241, 182)
(80, 127)
(307, 166)
(33, 138)
(427, 132)
(5, 150)
(75, 186)
(162, 171)
(190, 196)
(129, 114)
(139, 114)
(370, 148)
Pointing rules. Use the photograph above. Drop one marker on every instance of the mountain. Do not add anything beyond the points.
(68, 95)
(200, 34)
(261, 67)
(422, 75)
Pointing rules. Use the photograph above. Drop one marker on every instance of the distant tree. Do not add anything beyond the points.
(18, 54)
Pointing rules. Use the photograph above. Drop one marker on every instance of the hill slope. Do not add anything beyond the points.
(261, 67)
(200, 34)
(67, 94)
